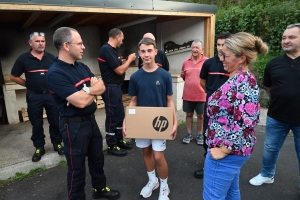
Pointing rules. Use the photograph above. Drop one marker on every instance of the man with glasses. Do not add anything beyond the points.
(113, 68)
(74, 87)
(35, 64)
(212, 77)
(281, 79)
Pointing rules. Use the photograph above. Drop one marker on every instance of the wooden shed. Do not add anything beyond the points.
(169, 21)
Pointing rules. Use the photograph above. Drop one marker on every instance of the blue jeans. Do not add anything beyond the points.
(221, 177)
(276, 132)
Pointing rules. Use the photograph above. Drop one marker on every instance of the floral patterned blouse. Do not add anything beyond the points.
(233, 112)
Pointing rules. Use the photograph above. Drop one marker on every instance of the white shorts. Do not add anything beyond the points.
(157, 145)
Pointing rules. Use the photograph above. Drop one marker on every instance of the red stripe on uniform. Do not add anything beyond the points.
(102, 60)
(82, 81)
(38, 70)
(71, 161)
(218, 73)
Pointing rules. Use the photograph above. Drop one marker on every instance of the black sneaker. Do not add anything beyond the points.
(124, 145)
(58, 148)
(39, 151)
(106, 193)
(116, 151)
(199, 174)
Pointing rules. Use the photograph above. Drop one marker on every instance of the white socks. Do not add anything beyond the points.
(152, 175)
(163, 183)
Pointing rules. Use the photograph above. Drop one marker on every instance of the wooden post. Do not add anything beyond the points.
(209, 35)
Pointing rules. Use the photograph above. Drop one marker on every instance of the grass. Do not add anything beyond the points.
(21, 176)
(62, 163)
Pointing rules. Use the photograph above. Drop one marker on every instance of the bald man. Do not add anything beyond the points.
(161, 59)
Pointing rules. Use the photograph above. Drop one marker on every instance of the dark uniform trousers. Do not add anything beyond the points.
(36, 101)
(205, 121)
(115, 113)
(82, 140)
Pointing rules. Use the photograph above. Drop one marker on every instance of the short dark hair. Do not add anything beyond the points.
(223, 35)
(62, 35)
(114, 32)
(147, 41)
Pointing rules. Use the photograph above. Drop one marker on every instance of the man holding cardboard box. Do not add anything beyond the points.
(151, 86)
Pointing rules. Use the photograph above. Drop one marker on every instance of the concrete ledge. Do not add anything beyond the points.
(48, 160)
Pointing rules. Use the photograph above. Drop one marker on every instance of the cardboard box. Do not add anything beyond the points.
(149, 122)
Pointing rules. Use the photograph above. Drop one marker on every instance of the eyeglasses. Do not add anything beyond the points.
(225, 56)
(78, 44)
(293, 25)
(37, 34)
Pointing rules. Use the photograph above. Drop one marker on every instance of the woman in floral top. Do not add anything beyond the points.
(233, 112)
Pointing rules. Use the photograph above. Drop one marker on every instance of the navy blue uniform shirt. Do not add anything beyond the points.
(35, 70)
(65, 79)
(108, 60)
(214, 74)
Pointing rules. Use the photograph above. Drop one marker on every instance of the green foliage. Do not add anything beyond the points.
(267, 20)
(259, 67)
(21, 176)
(62, 163)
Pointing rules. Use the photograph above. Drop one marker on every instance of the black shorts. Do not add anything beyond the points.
(190, 106)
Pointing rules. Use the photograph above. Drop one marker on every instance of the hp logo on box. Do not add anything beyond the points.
(160, 123)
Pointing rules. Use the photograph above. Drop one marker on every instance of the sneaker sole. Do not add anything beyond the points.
(186, 142)
(167, 195)
(267, 182)
(119, 155)
(101, 197)
(199, 143)
(155, 187)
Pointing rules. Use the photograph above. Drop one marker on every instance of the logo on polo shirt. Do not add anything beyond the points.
(160, 123)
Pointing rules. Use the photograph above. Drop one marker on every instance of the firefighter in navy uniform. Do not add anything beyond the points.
(35, 65)
(74, 88)
(113, 68)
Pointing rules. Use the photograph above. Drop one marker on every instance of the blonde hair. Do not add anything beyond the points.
(243, 43)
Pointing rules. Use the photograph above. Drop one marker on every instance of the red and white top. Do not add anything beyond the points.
(190, 72)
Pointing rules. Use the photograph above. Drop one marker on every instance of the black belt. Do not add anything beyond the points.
(39, 92)
(77, 118)
(114, 85)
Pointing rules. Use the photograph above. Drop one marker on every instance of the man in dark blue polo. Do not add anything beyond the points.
(113, 69)
(74, 88)
(35, 65)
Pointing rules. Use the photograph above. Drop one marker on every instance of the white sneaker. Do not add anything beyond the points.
(259, 180)
(147, 190)
(164, 193)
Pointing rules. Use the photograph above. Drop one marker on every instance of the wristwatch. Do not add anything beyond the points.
(86, 89)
